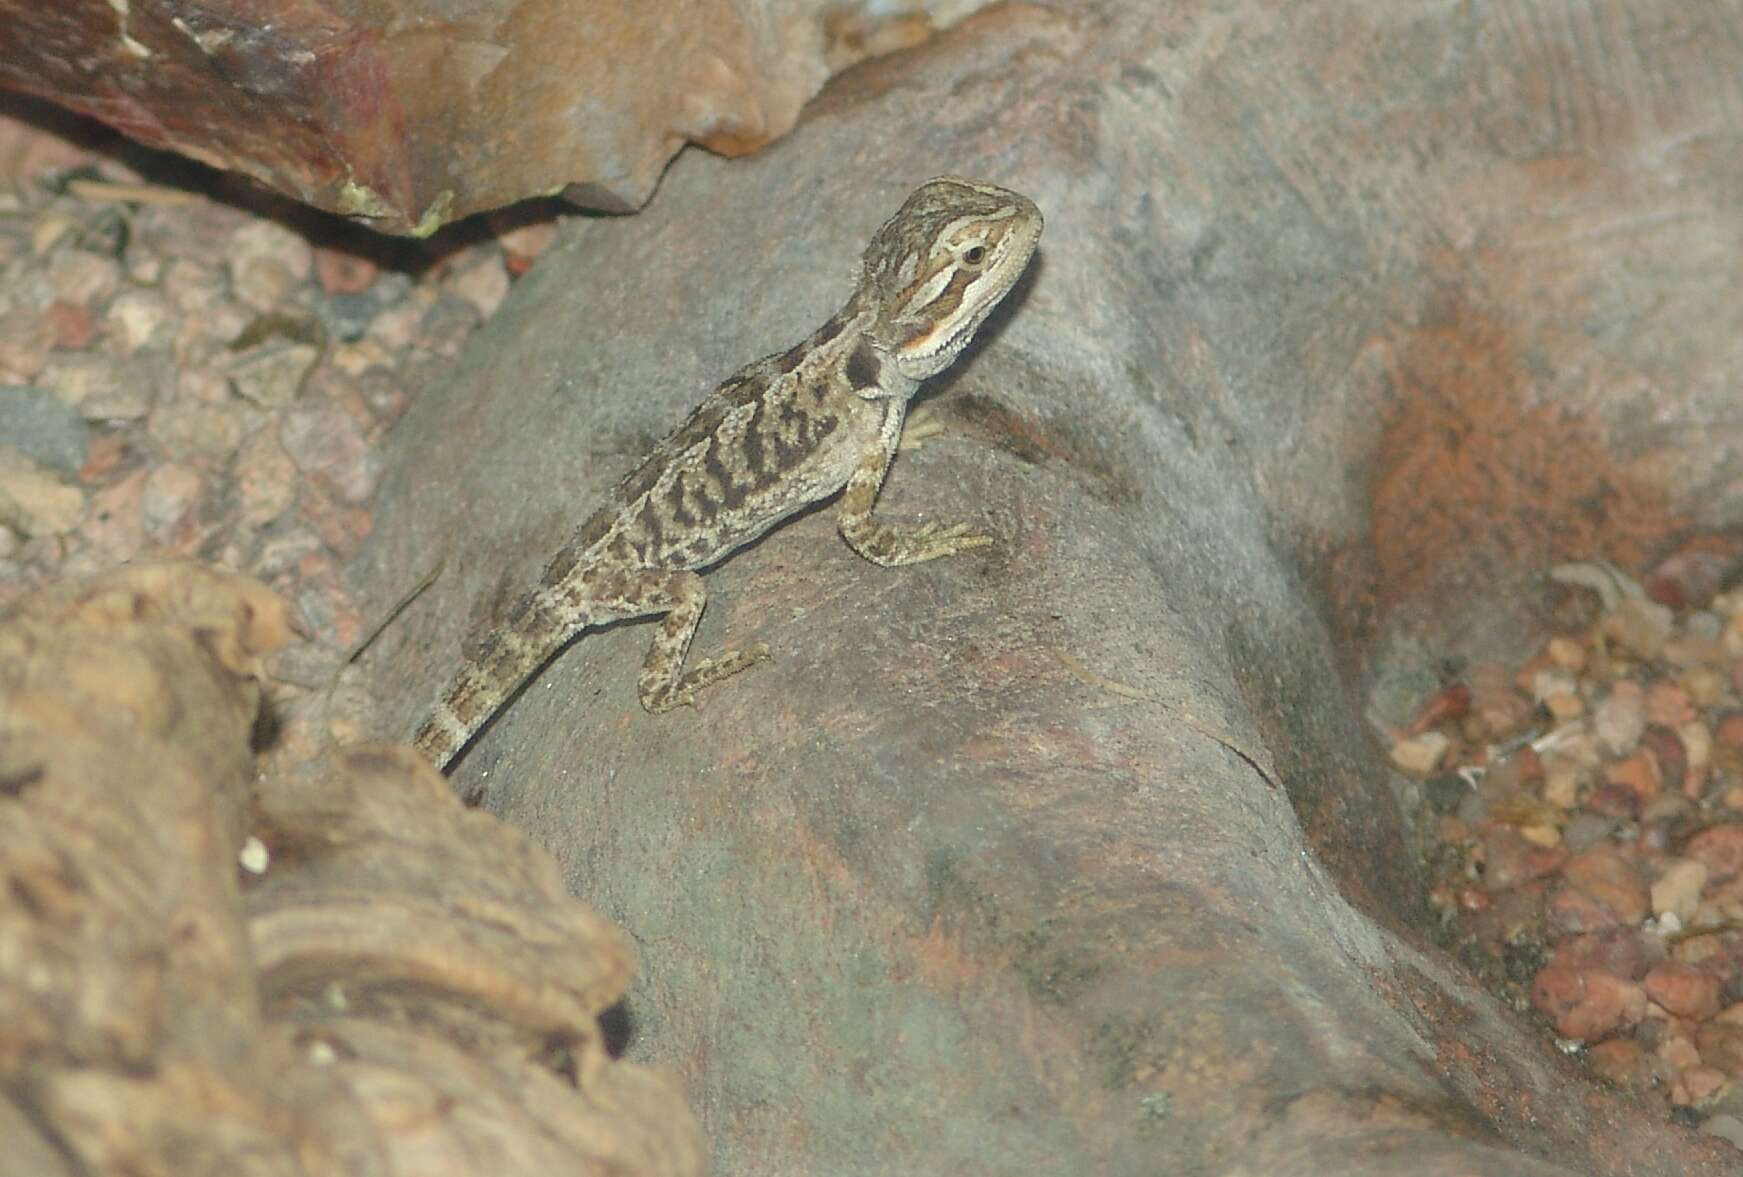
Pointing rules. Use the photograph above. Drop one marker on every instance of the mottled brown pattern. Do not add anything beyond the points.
(784, 432)
(862, 367)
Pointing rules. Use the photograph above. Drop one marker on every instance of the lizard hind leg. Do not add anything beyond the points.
(663, 683)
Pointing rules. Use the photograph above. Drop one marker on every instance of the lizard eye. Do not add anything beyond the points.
(975, 256)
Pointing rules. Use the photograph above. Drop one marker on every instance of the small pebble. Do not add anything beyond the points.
(1496, 709)
(143, 269)
(114, 521)
(1552, 681)
(271, 374)
(140, 319)
(1638, 773)
(192, 288)
(95, 384)
(26, 339)
(447, 325)
(1702, 1083)
(342, 529)
(1547, 836)
(1621, 718)
(187, 428)
(1567, 654)
(1721, 1045)
(1611, 878)
(171, 491)
(43, 427)
(1622, 1061)
(263, 282)
(347, 316)
(49, 231)
(1705, 686)
(1720, 848)
(483, 284)
(1572, 912)
(1587, 830)
(1697, 742)
(72, 323)
(1564, 707)
(528, 241)
(1684, 990)
(1420, 755)
(1587, 1004)
(265, 478)
(33, 501)
(264, 240)
(1640, 626)
(341, 273)
(284, 552)
(1679, 1053)
(83, 278)
(1561, 784)
(1668, 705)
(1730, 730)
(1678, 888)
(394, 328)
(326, 444)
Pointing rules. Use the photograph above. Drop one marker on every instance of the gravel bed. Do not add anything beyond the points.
(1583, 824)
(190, 367)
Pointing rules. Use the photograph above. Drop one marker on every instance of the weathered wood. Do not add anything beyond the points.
(391, 984)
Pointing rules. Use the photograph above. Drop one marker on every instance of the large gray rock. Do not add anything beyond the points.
(1079, 857)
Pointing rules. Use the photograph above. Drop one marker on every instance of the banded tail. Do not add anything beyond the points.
(538, 627)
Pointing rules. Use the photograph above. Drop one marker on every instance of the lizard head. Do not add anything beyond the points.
(939, 266)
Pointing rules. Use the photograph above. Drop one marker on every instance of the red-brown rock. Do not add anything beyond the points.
(1621, 1061)
(1721, 1044)
(1572, 911)
(385, 112)
(1614, 801)
(1730, 730)
(1620, 952)
(1683, 989)
(72, 322)
(1667, 704)
(1608, 876)
(1638, 773)
(1701, 1083)
(1510, 860)
(1688, 578)
(1721, 848)
(1587, 1004)
(340, 272)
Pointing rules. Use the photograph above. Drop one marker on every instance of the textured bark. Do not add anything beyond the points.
(1079, 857)
(401, 986)
(411, 114)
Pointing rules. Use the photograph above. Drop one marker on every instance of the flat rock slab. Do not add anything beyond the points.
(411, 115)
(1078, 856)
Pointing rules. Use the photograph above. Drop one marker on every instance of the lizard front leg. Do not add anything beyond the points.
(681, 596)
(891, 544)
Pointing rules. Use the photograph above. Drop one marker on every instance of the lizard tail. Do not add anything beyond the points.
(504, 660)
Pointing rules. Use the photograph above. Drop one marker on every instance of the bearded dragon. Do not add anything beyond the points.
(785, 432)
